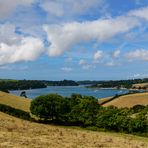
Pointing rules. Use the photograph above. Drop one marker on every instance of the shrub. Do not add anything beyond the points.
(48, 107)
(15, 112)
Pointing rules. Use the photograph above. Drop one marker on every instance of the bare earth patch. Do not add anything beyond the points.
(18, 133)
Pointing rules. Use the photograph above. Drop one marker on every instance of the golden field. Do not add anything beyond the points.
(17, 133)
(140, 85)
(129, 100)
(15, 101)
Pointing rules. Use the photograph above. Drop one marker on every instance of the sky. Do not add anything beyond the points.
(73, 39)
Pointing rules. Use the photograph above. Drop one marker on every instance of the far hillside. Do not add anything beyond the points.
(128, 84)
(6, 85)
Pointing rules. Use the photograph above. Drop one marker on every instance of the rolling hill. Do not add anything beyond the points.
(18, 133)
(129, 100)
(15, 101)
(15, 132)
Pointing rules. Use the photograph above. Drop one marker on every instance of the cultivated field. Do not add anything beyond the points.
(17, 133)
(129, 100)
(15, 101)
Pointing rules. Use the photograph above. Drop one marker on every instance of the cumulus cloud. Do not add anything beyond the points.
(7, 6)
(28, 49)
(98, 56)
(17, 47)
(139, 54)
(63, 37)
(7, 34)
(142, 13)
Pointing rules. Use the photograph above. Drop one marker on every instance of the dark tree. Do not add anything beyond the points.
(48, 107)
(23, 94)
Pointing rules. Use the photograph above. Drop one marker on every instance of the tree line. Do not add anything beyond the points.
(6, 85)
(86, 112)
(114, 83)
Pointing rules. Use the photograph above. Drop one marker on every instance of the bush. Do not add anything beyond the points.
(138, 108)
(48, 107)
(15, 112)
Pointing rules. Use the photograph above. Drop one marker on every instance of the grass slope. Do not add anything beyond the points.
(15, 101)
(129, 100)
(18, 133)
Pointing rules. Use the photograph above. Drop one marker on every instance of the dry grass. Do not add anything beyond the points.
(15, 101)
(129, 100)
(140, 85)
(18, 133)
(102, 100)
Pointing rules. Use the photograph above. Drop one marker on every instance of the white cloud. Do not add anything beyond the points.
(28, 49)
(7, 6)
(69, 8)
(8, 35)
(63, 37)
(98, 56)
(85, 65)
(139, 54)
(16, 47)
(67, 69)
(142, 13)
(116, 53)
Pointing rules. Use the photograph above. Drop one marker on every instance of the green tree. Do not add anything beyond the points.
(85, 111)
(48, 107)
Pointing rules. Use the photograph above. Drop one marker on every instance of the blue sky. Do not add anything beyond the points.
(79, 40)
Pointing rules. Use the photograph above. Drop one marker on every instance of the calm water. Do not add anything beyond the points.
(68, 90)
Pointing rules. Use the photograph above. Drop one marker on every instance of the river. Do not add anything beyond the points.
(68, 90)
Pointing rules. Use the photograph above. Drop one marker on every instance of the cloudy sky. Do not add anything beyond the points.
(73, 39)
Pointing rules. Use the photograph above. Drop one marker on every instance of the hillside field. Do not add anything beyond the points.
(129, 100)
(18, 133)
(15, 101)
(15, 132)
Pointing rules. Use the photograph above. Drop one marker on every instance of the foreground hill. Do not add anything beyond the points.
(15, 101)
(129, 100)
(18, 133)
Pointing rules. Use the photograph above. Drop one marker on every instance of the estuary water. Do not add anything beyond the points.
(68, 90)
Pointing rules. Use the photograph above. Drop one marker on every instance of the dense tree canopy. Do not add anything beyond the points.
(85, 111)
